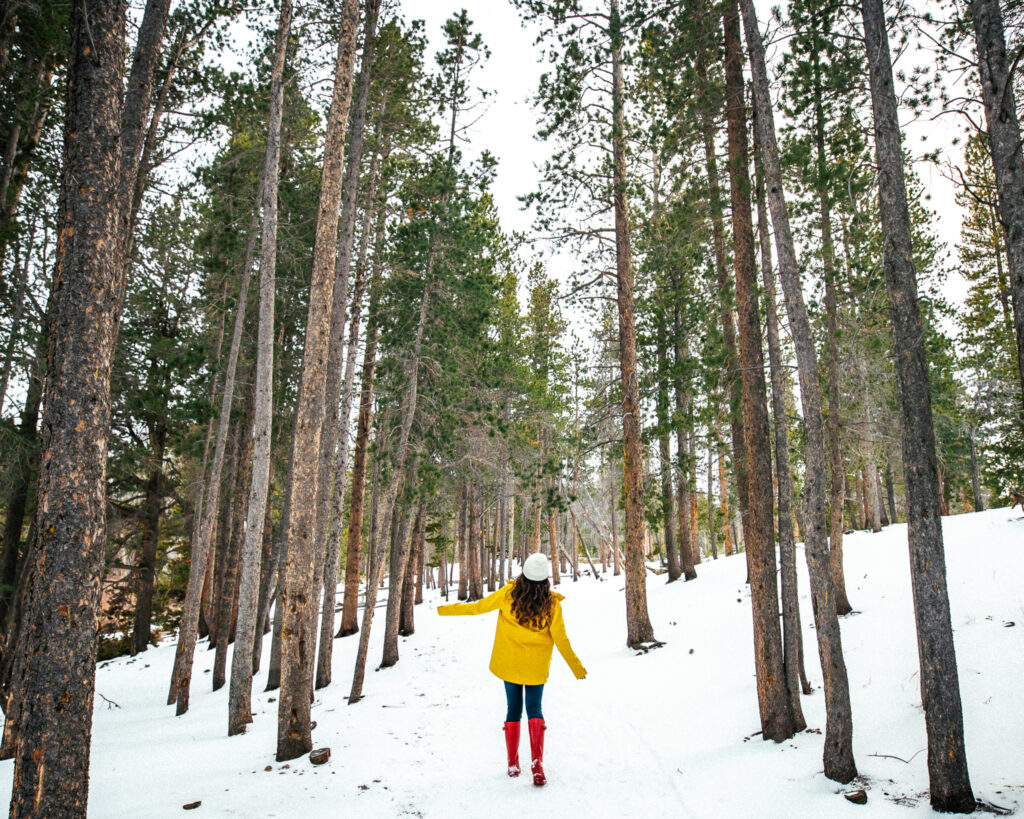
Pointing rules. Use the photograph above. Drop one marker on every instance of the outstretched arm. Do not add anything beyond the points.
(562, 642)
(489, 603)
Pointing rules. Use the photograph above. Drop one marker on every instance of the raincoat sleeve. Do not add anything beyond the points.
(489, 603)
(562, 642)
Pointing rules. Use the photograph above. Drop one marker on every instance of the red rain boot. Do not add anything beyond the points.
(537, 751)
(512, 746)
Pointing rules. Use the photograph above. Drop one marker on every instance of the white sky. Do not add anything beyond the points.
(507, 128)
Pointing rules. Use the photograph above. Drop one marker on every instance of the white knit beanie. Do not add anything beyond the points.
(536, 567)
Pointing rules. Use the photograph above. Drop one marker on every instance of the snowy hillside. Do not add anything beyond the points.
(669, 734)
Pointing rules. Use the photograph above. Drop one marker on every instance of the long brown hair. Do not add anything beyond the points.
(532, 602)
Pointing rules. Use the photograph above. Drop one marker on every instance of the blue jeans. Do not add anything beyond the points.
(514, 695)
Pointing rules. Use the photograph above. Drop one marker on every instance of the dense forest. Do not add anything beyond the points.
(267, 348)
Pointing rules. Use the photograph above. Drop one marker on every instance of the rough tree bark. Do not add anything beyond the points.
(638, 624)
(781, 715)
(55, 668)
(323, 663)
(838, 752)
(181, 673)
(836, 467)
(401, 555)
(792, 633)
(949, 781)
(1004, 141)
(407, 621)
(363, 424)
(297, 596)
(240, 692)
(732, 382)
(333, 463)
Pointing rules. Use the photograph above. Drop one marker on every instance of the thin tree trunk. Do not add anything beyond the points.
(732, 382)
(333, 463)
(838, 752)
(19, 309)
(374, 575)
(792, 636)
(55, 669)
(712, 528)
(228, 592)
(409, 402)
(688, 548)
(249, 625)
(723, 505)
(137, 101)
(1004, 141)
(323, 671)
(146, 571)
(462, 548)
(25, 468)
(979, 504)
(363, 424)
(638, 623)
(665, 463)
(407, 622)
(940, 687)
(779, 703)
(299, 596)
(181, 675)
(837, 469)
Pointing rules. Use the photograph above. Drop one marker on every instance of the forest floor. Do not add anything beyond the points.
(668, 733)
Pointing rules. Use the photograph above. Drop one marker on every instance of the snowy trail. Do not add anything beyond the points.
(670, 733)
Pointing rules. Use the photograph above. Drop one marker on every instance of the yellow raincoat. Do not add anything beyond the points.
(521, 655)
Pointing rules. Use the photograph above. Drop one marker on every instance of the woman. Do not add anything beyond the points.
(529, 625)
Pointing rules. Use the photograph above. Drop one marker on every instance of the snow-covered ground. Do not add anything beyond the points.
(669, 733)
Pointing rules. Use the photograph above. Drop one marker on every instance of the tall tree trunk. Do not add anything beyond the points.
(948, 778)
(665, 461)
(363, 424)
(374, 575)
(181, 675)
(792, 636)
(409, 402)
(836, 467)
(333, 461)
(146, 570)
(638, 623)
(732, 382)
(298, 595)
(323, 669)
(553, 546)
(406, 622)
(249, 627)
(712, 528)
(269, 564)
(473, 535)
(781, 716)
(684, 464)
(838, 753)
(137, 103)
(723, 505)
(1004, 141)
(615, 531)
(55, 670)
(462, 550)
(18, 164)
(979, 504)
(24, 470)
(21, 269)
(228, 591)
